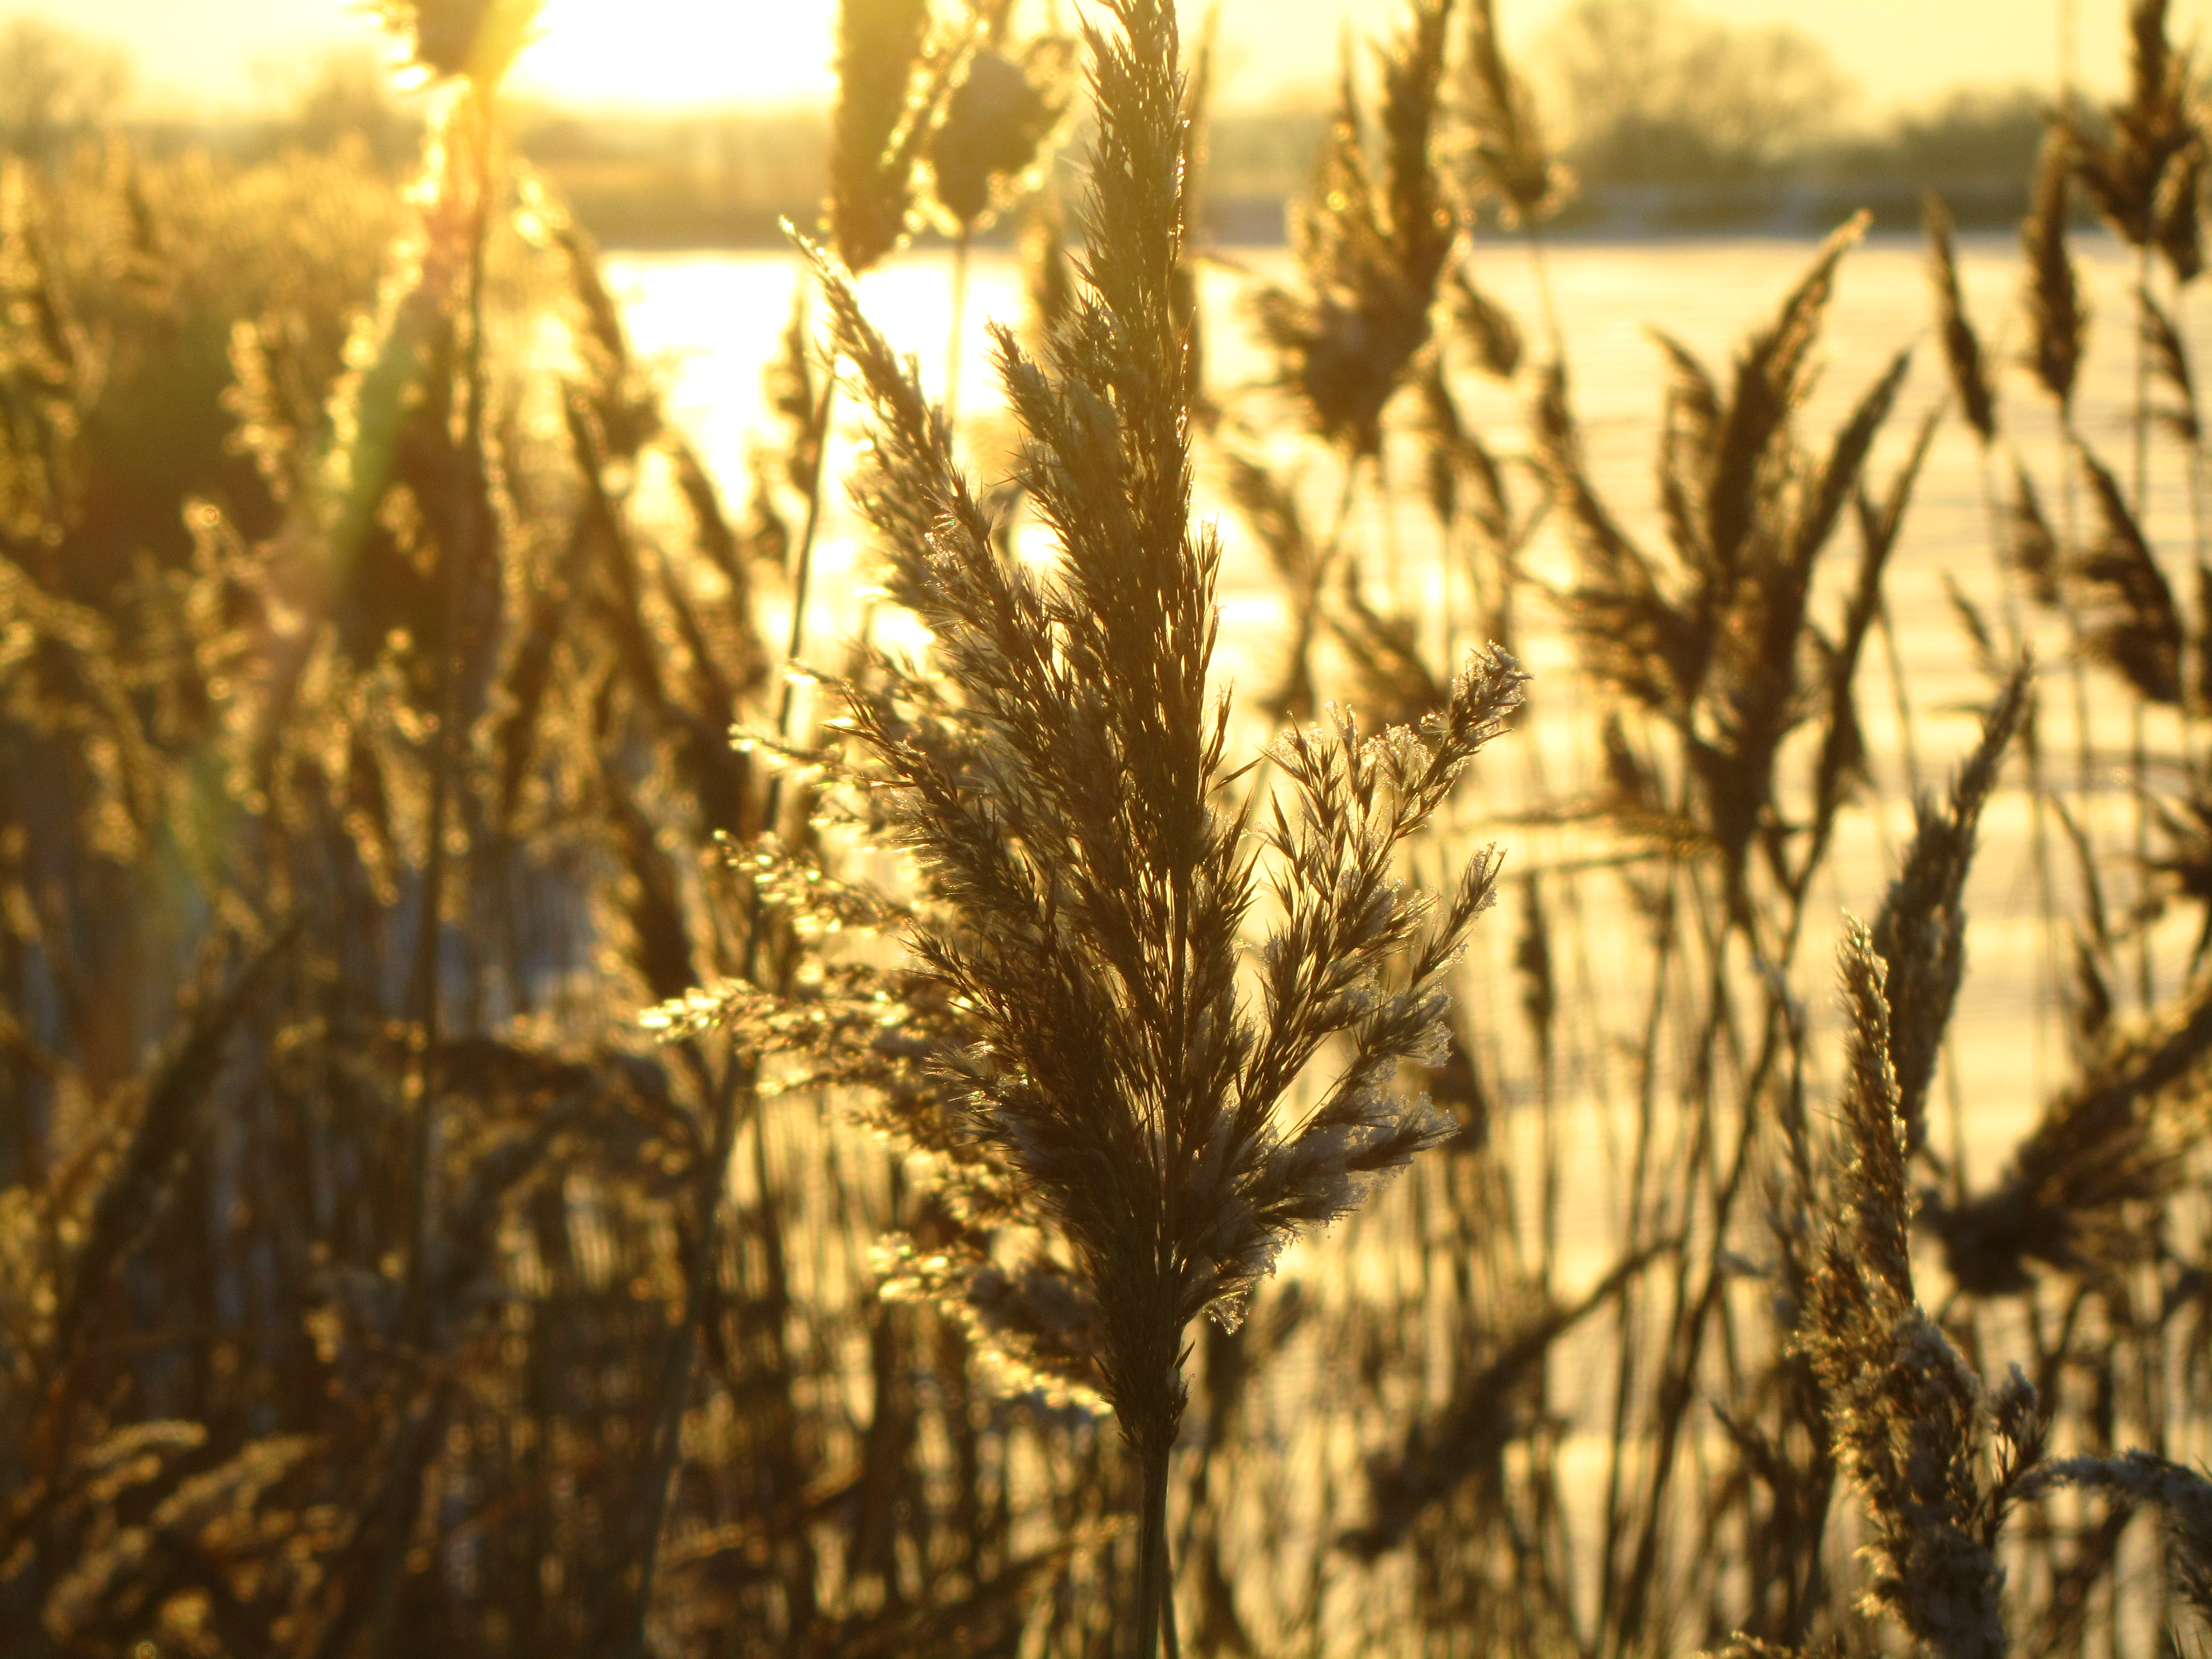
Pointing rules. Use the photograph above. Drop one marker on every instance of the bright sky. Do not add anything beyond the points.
(635, 52)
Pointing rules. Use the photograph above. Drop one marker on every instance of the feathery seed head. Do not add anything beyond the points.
(476, 38)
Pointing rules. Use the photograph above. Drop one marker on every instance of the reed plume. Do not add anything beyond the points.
(2169, 363)
(1911, 1422)
(1962, 348)
(2151, 129)
(1371, 241)
(1713, 640)
(2128, 619)
(1920, 934)
(1512, 158)
(2031, 548)
(1057, 790)
(478, 39)
(2109, 1141)
(996, 136)
(1488, 1412)
(2057, 316)
(880, 125)
(1485, 325)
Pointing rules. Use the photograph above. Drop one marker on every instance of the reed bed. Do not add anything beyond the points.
(545, 1109)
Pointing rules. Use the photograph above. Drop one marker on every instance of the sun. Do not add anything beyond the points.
(682, 51)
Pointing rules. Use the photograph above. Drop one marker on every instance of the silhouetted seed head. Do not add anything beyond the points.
(790, 391)
(477, 39)
(2179, 214)
(1921, 932)
(2169, 363)
(2151, 131)
(1488, 1412)
(1487, 325)
(1512, 159)
(1388, 676)
(1532, 957)
(1962, 351)
(882, 104)
(1911, 1424)
(2101, 1146)
(2128, 616)
(2185, 852)
(2057, 320)
(2182, 1497)
(1713, 640)
(996, 125)
(1372, 238)
(2031, 548)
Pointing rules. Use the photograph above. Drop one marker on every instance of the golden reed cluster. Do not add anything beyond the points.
(490, 1164)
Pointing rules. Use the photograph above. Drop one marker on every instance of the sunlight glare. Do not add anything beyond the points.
(681, 51)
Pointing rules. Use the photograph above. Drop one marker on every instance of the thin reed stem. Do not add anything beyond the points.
(2139, 417)
(1532, 237)
(665, 1448)
(955, 342)
(1156, 1621)
(2069, 446)
(472, 529)
(795, 635)
(1893, 660)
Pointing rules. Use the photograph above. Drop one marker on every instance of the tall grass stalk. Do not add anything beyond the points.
(1132, 1096)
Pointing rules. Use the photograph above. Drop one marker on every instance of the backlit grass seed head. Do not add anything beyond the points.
(1512, 159)
(1372, 239)
(1718, 639)
(1921, 932)
(883, 104)
(2178, 214)
(1056, 786)
(477, 39)
(2182, 1497)
(2129, 618)
(2110, 1142)
(1056, 782)
(2031, 546)
(1962, 349)
(2153, 130)
(1907, 1413)
(998, 127)
(2170, 367)
(2057, 316)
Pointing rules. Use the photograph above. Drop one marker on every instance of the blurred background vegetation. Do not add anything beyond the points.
(1672, 120)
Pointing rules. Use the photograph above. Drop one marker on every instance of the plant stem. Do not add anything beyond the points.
(471, 533)
(2141, 423)
(2138, 757)
(802, 577)
(1155, 1585)
(955, 337)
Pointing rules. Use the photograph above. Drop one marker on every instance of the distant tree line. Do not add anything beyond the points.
(1667, 118)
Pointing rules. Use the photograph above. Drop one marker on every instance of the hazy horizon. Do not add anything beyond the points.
(219, 54)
